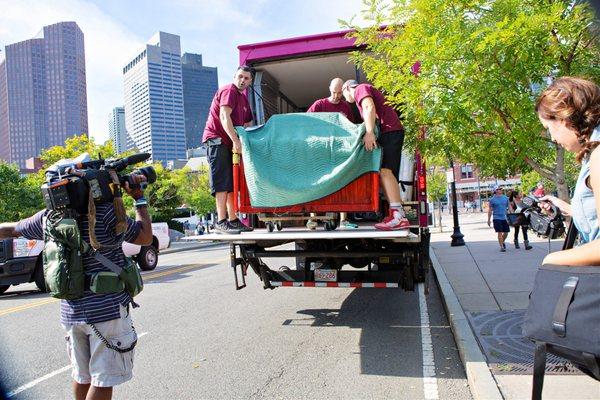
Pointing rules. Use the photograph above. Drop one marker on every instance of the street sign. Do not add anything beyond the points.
(450, 176)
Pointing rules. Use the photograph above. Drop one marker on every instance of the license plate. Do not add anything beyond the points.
(326, 275)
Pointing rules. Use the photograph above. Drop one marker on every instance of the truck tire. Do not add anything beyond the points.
(147, 258)
(38, 275)
(4, 288)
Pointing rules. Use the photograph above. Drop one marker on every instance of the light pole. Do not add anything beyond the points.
(457, 236)
(479, 192)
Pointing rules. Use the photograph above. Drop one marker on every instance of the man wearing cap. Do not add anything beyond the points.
(372, 105)
(497, 207)
(229, 108)
(335, 102)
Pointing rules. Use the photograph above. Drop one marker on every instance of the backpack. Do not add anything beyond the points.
(63, 253)
(563, 317)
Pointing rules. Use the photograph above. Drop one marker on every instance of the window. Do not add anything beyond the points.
(466, 171)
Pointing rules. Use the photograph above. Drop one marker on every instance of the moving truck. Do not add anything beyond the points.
(290, 75)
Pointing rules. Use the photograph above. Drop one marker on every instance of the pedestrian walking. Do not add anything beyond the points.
(514, 206)
(498, 206)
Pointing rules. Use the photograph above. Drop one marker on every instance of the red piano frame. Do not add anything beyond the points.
(360, 195)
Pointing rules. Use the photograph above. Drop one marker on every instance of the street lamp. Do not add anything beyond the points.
(479, 192)
(457, 236)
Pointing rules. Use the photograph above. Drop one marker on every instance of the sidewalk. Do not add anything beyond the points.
(493, 289)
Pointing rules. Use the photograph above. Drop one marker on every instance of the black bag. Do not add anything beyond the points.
(563, 317)
(517, 219)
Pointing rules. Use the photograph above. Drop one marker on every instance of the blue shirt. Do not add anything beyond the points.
(583, 204)
(499, 204)
(91, 308)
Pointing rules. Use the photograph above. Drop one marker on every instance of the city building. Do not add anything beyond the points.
(470, 187)
(154, 112)
(200, 84)
(43, 97)
(117, 131)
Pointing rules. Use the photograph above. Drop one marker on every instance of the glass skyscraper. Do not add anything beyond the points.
(116, 129)
(200, 84)
(43, 98)
(154, 116)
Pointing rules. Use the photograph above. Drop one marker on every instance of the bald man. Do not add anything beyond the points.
(373, 106)
(335, 102)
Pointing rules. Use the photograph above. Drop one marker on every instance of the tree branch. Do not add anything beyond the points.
(542, 170)
(504, 119)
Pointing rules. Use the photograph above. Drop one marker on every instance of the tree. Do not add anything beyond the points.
(436, 189)
(482, 65)
(195, 190)
(74, 147)
(18, 198)
(164, 194)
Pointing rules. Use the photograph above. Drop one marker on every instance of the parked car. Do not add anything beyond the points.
(147, 256)
(21, 259)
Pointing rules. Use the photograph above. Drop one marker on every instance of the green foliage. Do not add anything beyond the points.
(436, 184)
(197, 190)
(163, 195)
(74, 147)
(483, 63)
(19, 198)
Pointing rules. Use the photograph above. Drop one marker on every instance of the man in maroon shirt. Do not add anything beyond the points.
(372, 105)
(335, 102)
(229, 108)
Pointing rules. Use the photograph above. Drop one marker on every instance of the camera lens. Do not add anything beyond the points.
(148, 172)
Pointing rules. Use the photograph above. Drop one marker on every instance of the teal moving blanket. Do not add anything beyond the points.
(297, 158)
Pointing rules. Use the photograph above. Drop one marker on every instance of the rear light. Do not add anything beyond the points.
(421, 183)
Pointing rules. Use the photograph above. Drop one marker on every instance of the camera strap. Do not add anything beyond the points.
(118, 205)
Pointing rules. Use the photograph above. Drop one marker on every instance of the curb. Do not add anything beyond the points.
(481, 381)
(191, 247)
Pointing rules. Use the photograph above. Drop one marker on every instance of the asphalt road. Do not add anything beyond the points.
(202, 339)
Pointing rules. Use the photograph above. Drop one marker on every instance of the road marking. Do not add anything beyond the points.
(46, 377)
(26, 306)
(430, 386)
(180, 269)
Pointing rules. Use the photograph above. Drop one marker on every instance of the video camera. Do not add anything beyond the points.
(68, 184)
(548, 226)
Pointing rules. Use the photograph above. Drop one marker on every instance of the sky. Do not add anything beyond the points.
(115, 31)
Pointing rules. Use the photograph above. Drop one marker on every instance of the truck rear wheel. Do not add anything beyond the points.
(4, 288)
(147, 258)
(38, 276)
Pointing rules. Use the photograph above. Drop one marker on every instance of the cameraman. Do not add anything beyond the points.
(570, 109)
(96, 368)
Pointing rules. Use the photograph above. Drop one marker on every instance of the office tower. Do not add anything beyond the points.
(43, 98)
(200, 84)
(154, 116)
(116, 129)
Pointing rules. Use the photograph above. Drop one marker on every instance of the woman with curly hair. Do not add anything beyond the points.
(570, 109)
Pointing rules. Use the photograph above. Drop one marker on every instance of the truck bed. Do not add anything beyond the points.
(294, 234)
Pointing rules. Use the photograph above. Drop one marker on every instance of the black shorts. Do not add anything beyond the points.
(220, 161)
(391, 148)
(501, 225)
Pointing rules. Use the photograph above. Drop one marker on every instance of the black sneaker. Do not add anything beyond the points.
(224, 226)
(240, 226)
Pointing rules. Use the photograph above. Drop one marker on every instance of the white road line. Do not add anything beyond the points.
(430, 386)
(35, 382)
(46, 377)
